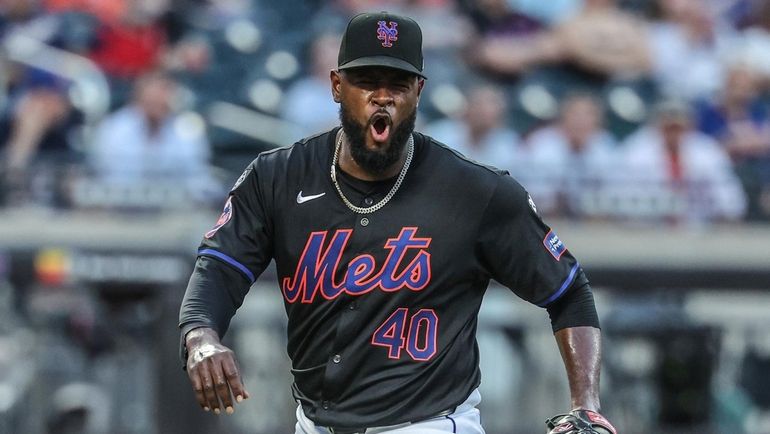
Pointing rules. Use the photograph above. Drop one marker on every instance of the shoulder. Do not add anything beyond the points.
(451, 166)
(452, 161)
(282, 162)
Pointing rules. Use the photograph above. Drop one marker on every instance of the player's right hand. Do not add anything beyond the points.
(213, 371)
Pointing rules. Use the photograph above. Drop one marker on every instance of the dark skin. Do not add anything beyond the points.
(213, 371)
(212, 367)
(580, 348)
(370, 90)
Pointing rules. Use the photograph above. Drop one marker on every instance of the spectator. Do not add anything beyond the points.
(480, 133)
(104, 10)
(307, 103)
(550, 12)
(605, 40)
(37, 120)
(146, 141)
(571, 160)
(131, 38)
(601, 40)
(686, 37)
(435, 17)
(498, 18)
(740, 120)
(679, 173)
(39, 124)
(503, 31)
(753, 45)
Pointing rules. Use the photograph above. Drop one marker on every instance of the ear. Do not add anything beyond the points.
(420, 85)
(336, 81)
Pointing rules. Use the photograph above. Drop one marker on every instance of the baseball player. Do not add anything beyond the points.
(384, 242)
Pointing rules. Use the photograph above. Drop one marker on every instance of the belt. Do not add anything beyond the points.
(338, 430)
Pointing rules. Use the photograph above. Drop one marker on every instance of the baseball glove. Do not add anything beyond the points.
(580, 422)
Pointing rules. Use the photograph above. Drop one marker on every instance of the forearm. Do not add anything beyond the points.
(212, 295)
(580, 349)
(210, 301)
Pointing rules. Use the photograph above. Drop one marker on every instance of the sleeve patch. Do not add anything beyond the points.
(227, 214)
(554, 245)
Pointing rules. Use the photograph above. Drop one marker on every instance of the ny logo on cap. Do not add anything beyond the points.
(387, 34)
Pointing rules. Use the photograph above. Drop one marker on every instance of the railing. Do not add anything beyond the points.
(90, 90)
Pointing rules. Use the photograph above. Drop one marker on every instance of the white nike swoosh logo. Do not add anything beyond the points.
(303, 199)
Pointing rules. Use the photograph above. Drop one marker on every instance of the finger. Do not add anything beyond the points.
(208, 388)
(233, 376)
(220, 383)
(197, 387)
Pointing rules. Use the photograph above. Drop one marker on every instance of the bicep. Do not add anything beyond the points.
(522, 252)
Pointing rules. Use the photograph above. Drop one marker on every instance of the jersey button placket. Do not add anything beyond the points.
(368, 201)
(337, 358)
(365, 221)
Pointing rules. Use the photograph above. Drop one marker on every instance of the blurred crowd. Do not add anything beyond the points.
(651, 110)
(654, 111)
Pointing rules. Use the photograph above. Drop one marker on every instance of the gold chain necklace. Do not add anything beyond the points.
(391, 193)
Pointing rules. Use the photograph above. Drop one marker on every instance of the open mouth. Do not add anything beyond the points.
(380, 127)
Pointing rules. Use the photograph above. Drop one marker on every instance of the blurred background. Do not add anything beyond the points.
(640, 127)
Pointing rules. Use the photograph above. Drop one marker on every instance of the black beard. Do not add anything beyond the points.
(375, 162)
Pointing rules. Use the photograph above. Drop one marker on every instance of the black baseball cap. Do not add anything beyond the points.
(382, 39)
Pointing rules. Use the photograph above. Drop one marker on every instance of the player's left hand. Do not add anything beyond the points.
(580, 422)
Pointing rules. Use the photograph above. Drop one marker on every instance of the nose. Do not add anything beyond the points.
(382, 96)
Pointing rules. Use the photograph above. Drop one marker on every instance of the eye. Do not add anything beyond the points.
(401, 86)
(364, 82)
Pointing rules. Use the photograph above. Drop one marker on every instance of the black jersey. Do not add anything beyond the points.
(382, 308)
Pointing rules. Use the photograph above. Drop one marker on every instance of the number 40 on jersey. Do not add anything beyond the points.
(417, 334)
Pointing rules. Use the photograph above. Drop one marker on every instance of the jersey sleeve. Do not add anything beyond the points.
(233, 253)
(242, 236)
(523, 253)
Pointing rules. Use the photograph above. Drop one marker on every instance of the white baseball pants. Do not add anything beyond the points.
(464, 420)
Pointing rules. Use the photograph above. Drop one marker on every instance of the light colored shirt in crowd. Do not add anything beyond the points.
(557, 175)
(124, 152)
(673, 52)
(708, 188)
(500, 147)
(752, 48)
(309, 106)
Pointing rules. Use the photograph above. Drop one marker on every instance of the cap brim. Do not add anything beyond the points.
(384, 61)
